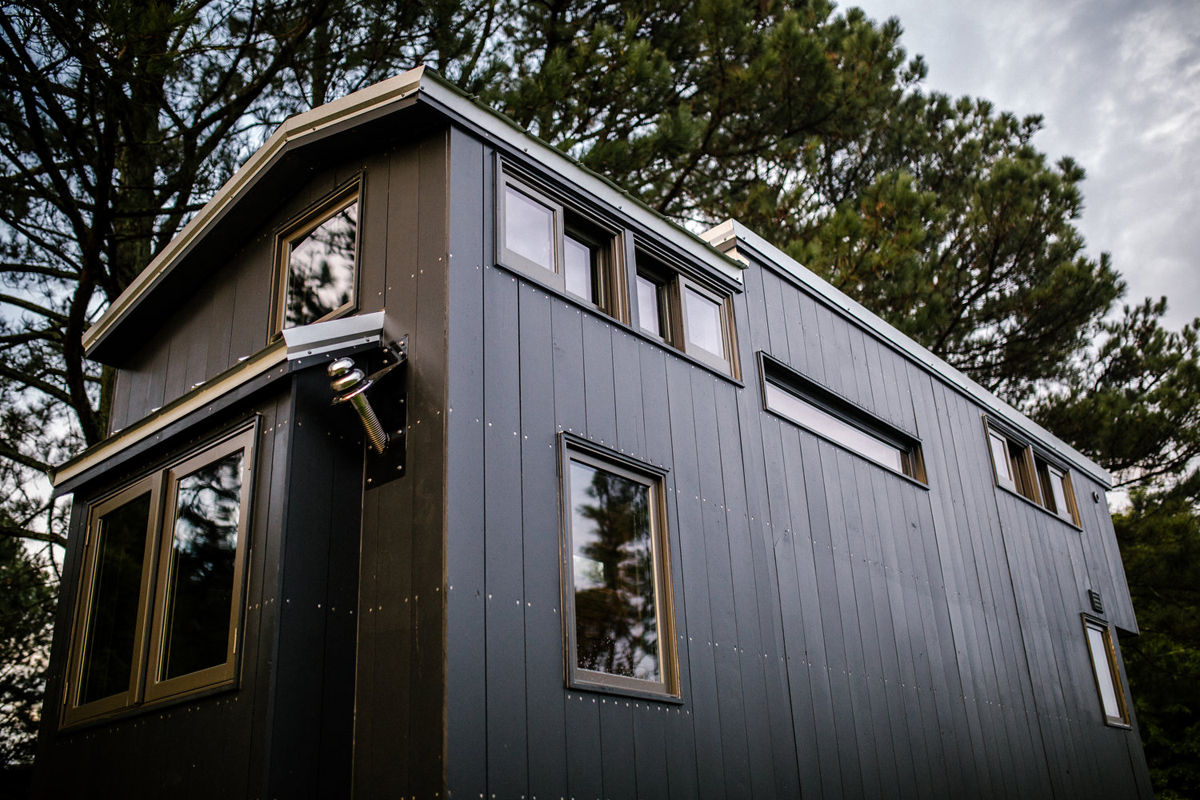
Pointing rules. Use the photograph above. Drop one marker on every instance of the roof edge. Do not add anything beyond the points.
(732, 230)
(301, 125)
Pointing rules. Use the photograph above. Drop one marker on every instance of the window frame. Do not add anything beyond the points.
(145, 689)
(724, 305)
(800, 387)
(300, 226)
(1026, 478)
(1114, 671)
(568, 220)
(575, 449)
(84, 610)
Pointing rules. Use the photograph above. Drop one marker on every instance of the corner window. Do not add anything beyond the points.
(159, 602)
(619, 625)
(543, 239)
(318, 264)
(1104, 668)
(815, 408)
(1019, 469)
(684, 314)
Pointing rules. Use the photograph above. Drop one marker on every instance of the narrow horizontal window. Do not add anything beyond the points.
(146, 627)
(819, 410)
(619, 622)
(1104, 668)
(319, 264)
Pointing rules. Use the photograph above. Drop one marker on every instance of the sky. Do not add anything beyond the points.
(1118, 83)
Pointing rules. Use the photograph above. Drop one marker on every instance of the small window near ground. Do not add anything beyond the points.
(1104, 667)
(148, 628)
(815, 408)
(319, 264)
(541, 238)
(619, 625)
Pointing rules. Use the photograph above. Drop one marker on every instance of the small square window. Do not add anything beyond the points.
(684, 314)
(1104, 668)
(147, 628)
(619, 626)
(1013, 465)
(542, 239)
(319, 265)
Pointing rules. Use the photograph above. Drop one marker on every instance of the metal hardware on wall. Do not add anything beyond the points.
(1094, 599)
(384, 420)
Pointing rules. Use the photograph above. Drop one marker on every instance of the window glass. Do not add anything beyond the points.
(704, 322)
(649, 309)
(580, 261)
(107, 666)
(1059, 489)
(201, 577)
(320, 276)
(529, 228)
(613, 561)
(1000, 459)
(1105, 680)
(817, 419)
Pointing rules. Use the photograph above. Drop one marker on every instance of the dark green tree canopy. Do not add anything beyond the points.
(806, 122)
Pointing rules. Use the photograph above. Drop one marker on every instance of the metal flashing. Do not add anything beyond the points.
(747, 243)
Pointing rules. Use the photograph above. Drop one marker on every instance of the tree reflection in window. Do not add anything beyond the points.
(200, 582)
(320, 272)
(616, 620)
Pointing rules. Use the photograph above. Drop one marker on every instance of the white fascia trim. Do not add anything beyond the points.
(297, 127)
(559, 163)
(760, 248)
(196, 399)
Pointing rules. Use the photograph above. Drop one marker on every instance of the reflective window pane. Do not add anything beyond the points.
(817, 419)
(200, 581)
(704, 322)
(616, 622)
(648, 306)
(1058, 483)
(320, 276)
(1104, 676)
(120, 544)
(529, 228)
(580, 261)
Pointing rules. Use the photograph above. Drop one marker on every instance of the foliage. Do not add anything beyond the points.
(118, 120)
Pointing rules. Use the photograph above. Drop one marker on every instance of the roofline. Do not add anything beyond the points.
(293, 129)
(371, 100)
(761, 249)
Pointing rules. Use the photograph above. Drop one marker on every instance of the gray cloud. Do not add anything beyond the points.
(1118, 84)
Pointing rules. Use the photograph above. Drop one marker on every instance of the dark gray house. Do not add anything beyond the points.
(602, 509)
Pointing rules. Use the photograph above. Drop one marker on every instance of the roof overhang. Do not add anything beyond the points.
(364, 119)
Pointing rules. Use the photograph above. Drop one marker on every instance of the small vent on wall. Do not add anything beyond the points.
(1094, 599)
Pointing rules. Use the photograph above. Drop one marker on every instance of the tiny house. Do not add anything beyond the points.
(441, 467)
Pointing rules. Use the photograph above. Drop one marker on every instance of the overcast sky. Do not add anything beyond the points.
(1118, 83)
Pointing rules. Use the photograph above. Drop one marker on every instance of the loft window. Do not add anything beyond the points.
(159, 602)
(684, 314)
(318, 264)
(1104, 668)
(619, 626)
(1019, 469)
(543, 239)
(817, 409)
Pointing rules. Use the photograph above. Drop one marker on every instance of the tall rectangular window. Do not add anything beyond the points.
(318, 264)
(151, 627)
(619, 621)
(1104, 668)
